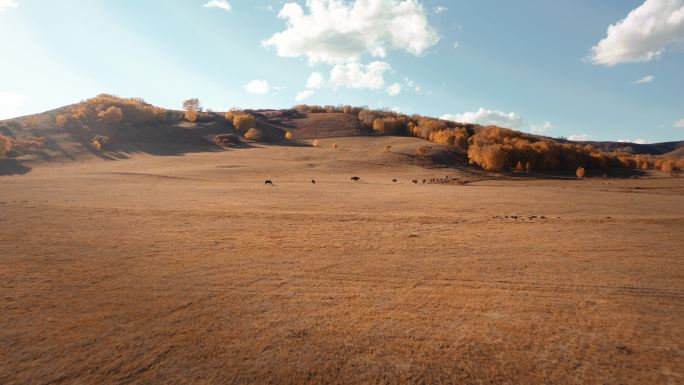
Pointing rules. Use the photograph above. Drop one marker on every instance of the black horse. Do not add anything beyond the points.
(313, 181)
(355, 179)
(268, 182)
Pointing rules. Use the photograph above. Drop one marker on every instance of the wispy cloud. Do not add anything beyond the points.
(579, 137)
(679, 123)
(644, 80)
(541, 128)
(394, 89)
(222, 4)
(258, 87)
(8, 4)
(301, 96)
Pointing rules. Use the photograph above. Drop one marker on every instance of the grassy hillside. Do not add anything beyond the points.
(110, 127)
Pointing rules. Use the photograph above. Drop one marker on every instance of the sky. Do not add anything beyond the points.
(581, 69)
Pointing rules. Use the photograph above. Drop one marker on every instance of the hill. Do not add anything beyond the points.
(111, 127)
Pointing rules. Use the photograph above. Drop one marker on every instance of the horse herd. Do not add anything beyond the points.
(269, 182)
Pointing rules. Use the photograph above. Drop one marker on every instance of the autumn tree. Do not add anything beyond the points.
(5, 145)
(112, 115)
(244, 122)
(519, 167)
(192, 109)
(288, 135)
(580, 172)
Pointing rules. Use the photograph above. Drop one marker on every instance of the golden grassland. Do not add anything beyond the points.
(187, 269)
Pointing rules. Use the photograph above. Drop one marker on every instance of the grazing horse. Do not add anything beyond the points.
(355, 179)
(415, 181)
(268, 182)
(313, 181)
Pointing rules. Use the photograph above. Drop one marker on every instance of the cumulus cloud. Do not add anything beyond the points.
(440, 9)
(337, 31)
(488, 118)
(301, 96)
(356, 75)
(679, 123)
(394, 89)
(223, 4)
(11, 103)
(644, 80)
(315, 81)
(258, 87)
(8, 4)
(579, 137)
(643, 35)
(541, 128)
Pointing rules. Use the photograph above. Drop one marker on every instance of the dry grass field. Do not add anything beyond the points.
(188, 269)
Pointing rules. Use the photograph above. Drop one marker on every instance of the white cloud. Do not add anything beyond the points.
(11, 103)
(455, 44)
(440, 9)
(579, 137)
(223, 4)
(394, 89)
(644, 80)
(541, 128)
(257, 87)
(315, 81)
(486, 117)
(304, 95)
(679, 123)
(356, 75)
(337, 31)
(643, 35)
(8, 4)
(637, 141)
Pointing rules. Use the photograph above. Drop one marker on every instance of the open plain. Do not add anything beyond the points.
(188, 269)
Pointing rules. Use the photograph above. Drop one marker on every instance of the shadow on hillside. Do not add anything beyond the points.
(12, 167)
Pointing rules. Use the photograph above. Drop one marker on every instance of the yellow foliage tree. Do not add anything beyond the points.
(244, 122)
(5, 145)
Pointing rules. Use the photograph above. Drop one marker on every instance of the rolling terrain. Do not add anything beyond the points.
(163, 258)
(186, 268)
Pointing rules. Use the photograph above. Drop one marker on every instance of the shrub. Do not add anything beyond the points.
(62, 120)
(334, 145)
(244, 122)
(254, 134)
(580, 172)
(5, 145)
(316, 143)
(288, 135)
(98, 141)
(112, 115)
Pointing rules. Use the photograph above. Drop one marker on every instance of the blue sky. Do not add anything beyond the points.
(535, 65)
